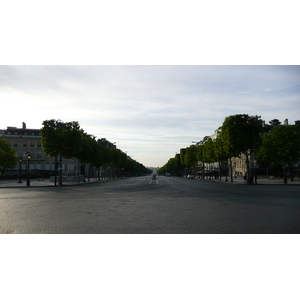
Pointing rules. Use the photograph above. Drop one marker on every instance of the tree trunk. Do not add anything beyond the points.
(226, 172)
(284, 173)
(291, 171)
(82, 172)
(60, 170)
(231, 178)
(248, 166)
(55, 170)
(78, 173)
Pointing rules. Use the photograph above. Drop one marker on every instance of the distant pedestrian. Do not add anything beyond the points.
(245, 178)
(251, 179)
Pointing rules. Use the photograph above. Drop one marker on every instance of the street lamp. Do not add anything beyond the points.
(20, 174)
(28, 164)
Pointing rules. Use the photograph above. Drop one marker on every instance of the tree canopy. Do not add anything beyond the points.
(243, 135)
(190, 157)
(68, 140)
(59, 138)
(8, 156)
(281, 145)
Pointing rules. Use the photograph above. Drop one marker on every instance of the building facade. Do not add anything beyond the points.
(24, 141)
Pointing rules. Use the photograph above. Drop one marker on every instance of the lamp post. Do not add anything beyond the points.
(28, 165)
(20, 174)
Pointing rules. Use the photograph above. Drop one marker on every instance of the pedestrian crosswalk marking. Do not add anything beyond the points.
(152, 181)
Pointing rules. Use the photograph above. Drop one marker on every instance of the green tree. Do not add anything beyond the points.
(173, 166)
(61, 140)
(275, 122)
(8, 156)
(87, 150)
(182, 154)
(117, 156)
(190, 158)
(104, 155)
(281, 145)
(241, 134)
(220, 154)
(208, 151)
(120, 161)
(200, 157)
(179, 166)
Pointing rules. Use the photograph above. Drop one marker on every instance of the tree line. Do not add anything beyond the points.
(67, 140)
(242, 134)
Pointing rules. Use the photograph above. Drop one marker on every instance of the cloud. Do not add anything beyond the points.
(147, 109)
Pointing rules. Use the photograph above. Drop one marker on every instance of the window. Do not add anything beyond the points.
(16, 144)
(25, 144)
(32, 144)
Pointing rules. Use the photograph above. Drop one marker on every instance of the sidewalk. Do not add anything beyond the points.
(260, 181)
(36, 183)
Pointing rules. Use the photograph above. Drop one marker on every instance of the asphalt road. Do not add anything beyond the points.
(142, 205)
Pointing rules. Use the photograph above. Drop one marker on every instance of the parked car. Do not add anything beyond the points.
(190, 177)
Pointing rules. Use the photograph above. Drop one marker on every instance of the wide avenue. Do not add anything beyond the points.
(151, 205)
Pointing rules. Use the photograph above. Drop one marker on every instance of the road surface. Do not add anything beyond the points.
(146, 205)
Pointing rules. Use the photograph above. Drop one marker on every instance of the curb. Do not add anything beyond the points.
(242, 183)
(46, 186)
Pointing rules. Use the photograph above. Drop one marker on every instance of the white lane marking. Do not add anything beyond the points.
(152, 181)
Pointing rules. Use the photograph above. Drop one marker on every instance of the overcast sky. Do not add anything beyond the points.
(149, 111)
(150, 76)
